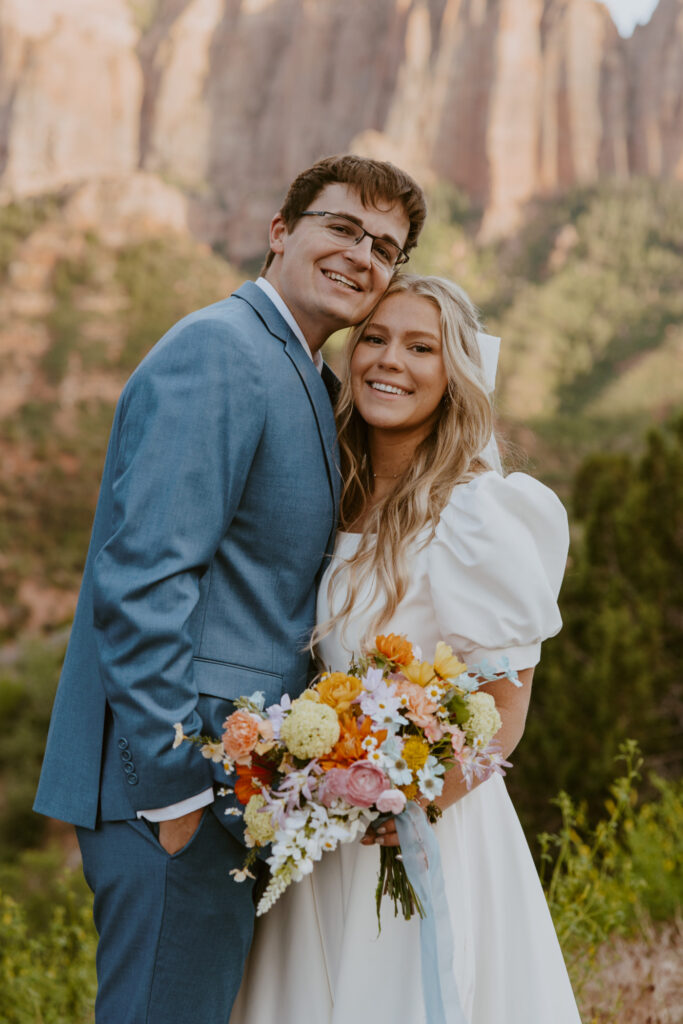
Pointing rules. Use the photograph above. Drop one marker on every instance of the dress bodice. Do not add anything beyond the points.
(486, 581)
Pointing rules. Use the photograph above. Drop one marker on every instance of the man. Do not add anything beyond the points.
(217, 506)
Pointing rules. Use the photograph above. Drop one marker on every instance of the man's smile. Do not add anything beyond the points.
(333, 275)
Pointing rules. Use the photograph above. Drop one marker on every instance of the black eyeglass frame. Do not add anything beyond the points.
(403, 256)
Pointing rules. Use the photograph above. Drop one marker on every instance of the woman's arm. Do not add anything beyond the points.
(512, 703)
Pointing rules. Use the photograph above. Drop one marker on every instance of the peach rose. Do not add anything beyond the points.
(339, 690)
(420, 709)
(241, 735)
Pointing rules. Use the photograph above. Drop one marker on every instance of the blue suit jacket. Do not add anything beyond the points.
(217, 507)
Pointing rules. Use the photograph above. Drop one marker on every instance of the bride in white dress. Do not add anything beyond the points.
(438, 546)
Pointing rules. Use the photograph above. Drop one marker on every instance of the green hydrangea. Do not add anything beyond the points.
(484, 721)
(310, 729)
(260, 824)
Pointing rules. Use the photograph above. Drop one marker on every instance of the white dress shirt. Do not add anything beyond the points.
(286, 315)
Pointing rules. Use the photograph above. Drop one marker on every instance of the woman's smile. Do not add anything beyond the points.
(388, 389)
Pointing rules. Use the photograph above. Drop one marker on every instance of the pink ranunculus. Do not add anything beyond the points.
(364, 783)
(333, 785)
(391, 801)
(457, 738)
(241, 736)
(433, 730)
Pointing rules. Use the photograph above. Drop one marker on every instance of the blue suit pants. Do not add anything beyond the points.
(174, 930)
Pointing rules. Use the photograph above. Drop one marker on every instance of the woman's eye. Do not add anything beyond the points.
(421, 348)
(373, 339)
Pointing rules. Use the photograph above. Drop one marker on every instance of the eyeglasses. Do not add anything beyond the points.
(347, 232)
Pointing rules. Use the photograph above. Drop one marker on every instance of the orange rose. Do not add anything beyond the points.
(241, 735)
(339, 690)
(250, 777)
(395, 648)
(349, 746)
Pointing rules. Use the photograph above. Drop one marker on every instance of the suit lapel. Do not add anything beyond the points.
(315, 387)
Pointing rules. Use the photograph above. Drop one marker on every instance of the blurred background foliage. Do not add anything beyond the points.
(587, 298)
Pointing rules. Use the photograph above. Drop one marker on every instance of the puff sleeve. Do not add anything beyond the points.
(495, 565)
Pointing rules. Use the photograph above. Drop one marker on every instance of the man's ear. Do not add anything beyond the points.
(277, 234)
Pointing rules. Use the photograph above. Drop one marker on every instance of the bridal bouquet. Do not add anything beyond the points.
(317, 771)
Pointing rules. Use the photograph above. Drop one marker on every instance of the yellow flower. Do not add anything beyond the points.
(419, 672)
(445, 662)
(410, 791)
(213, 752)
(484, 721)
(310, 729)
(258, 822)
(339, 690)
(415, 753)
(308, 695)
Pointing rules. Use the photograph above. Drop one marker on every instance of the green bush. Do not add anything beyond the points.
(27, 690)
(18, 221)
(654, 841)
(614, 670)
(609, 878)
(47, 945)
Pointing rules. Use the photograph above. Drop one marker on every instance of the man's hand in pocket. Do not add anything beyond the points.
(173, 835)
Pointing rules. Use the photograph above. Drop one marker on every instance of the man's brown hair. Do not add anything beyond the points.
(376, 182)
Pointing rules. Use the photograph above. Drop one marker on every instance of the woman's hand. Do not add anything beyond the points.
(385, 834)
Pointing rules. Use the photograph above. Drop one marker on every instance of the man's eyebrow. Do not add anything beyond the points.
(359, 222)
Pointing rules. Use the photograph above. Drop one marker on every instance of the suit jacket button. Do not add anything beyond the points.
(129, 767)
(132, 779)
(123, 743)
(126, 755)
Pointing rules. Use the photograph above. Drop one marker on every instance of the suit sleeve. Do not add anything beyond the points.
(190, 424)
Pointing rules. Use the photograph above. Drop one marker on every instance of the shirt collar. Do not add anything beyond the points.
(286, 315)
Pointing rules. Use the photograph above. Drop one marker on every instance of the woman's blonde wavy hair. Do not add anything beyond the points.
(451, 454)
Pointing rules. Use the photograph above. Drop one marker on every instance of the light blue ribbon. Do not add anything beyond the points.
(421, 859)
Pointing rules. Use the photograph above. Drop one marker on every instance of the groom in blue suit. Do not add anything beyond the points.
(217, 506)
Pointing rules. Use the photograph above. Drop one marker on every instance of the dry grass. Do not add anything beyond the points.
(637, 981)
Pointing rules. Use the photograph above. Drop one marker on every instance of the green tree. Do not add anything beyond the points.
(613, 672)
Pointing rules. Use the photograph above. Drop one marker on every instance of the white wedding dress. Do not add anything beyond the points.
(487, 584)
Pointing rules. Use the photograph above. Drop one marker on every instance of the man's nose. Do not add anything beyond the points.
(361, 252)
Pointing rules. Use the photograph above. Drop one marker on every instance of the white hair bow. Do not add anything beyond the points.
(489, 349)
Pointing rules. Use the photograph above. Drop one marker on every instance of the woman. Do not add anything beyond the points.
(436, 545)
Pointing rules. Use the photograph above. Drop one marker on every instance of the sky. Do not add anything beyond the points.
(626, 14)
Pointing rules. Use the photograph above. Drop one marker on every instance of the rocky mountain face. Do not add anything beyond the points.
(224, 100)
